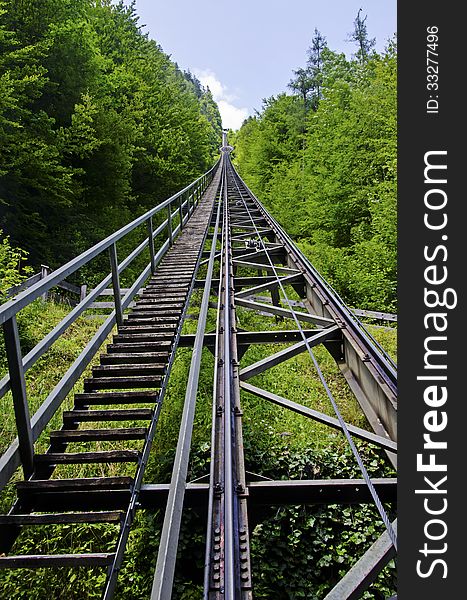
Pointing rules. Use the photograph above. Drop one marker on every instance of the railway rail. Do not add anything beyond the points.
(244, 252)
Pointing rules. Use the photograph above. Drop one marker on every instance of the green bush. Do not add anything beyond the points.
(12, 268)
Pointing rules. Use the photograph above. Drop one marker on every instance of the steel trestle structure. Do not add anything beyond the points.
(250, 264)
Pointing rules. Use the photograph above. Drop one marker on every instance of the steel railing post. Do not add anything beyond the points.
(83, 291)
(44, 272)
(181, 212)
(151, 245)
(169, 224)
(116, 284)
(18, 391)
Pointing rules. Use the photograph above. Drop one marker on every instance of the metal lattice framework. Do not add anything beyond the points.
(222, 226)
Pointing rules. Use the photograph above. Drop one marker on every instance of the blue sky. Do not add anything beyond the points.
(245, 50)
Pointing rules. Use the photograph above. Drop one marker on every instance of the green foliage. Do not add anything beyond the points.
(360, 36)
(97, 124)
(332, 184)
(12, 268)
(308, 81)
(302, 551)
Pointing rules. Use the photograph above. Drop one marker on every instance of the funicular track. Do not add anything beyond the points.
(232, 234)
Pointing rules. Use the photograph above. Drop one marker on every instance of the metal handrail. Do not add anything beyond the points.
(14, 305)
(21, 451)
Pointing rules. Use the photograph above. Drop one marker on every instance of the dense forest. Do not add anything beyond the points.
(323, 160)
(97, 124)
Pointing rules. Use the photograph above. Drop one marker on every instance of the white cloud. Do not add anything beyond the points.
(232, 116)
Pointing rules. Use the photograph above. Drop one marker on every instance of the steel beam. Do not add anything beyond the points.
(283, 312)
(368, 436)
(240, 282)
(270, 285)
(265, 267)
(278, 357)
(365, 570)
(20, 400)
(319, 491)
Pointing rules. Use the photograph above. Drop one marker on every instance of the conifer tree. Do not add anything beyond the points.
(360, 36)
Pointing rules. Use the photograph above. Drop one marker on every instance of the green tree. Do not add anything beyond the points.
(302, 83)
(97, 124)
(315, 65)
(359, 35)
(332, 182)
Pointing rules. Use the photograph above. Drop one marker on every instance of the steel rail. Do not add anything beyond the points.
(217, 440)
(167, 553)
(229, 497)
(227, 568)
(342, 422)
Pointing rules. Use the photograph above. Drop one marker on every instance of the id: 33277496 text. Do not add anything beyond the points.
(432, 70)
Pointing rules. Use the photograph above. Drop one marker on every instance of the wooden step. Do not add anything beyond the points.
(128, 338)
(159, 310)
(154, 315)
(173, 278)
(41, 486)
(160, 305)
(40, 561)
(143, 325)
(159, 320)
(140, 358)
(167, 288)
(140, 346)
(122, 414)
(171, 271)
(122, 383)
(78, 500)
(179, 255)
(129, 397)
(164, 298)
(146, 326)
(107, 516)
(98, 435)
(110, 456)
(140, 341)
(124, 370)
